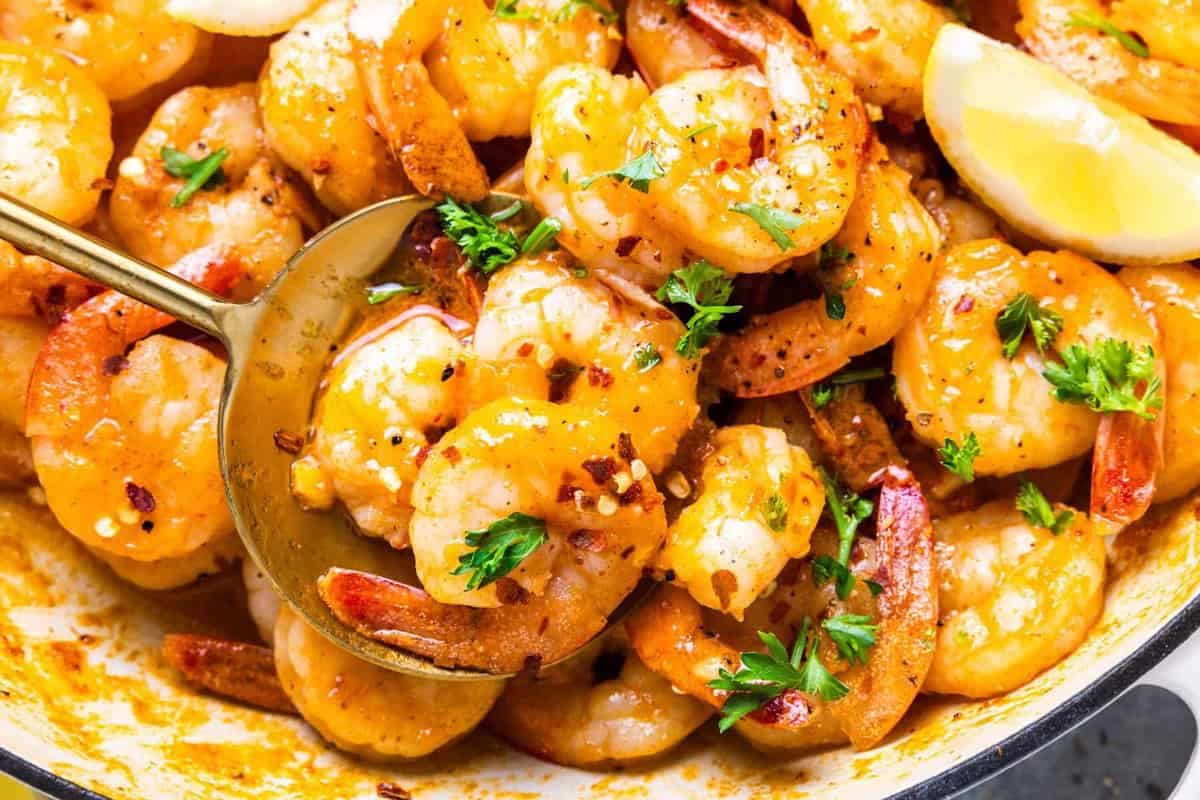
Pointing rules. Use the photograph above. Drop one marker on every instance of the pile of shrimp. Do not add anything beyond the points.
(774, 372)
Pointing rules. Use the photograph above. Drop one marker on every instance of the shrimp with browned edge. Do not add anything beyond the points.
(665, 43)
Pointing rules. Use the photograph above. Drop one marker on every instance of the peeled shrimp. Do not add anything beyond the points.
(125, 444)
(210, 558)
(1172, 295)
(601, 708)
(314, 112)
(953, 379)
(757, 502)
(1015, 599)
(261, 600)
(367, 710)
(665, 44)
(245, 18)
(55, 141)
(960, 219)
(255, 209)
(887, 248)
(126, 46)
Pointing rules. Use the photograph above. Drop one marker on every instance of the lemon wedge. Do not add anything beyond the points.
(241, 17)
(1064, 166)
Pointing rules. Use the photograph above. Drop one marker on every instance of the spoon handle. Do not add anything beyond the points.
(34, 232)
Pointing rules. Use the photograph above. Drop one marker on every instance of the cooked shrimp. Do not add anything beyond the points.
(881, 45)
(243, 671)
(571, 470)
(261, 600)
(688, 646)
(20, 340)
(665, 44)
(34, 287)
(1015, 599)
(1172, 296)
(314, 112)
(55, 141)
(960, 219)
(255, 208)
(385, 398)
(881, 265)
(1156, 87)
(954, 380)
(367, 710)
(125, 444)
(248, 18)
(786, 136)
(125, 46)
(601, 708)
(757, 502)
(577, 340)
(210, 558)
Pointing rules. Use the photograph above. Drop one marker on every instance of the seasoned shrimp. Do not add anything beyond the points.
(1172, 295)
(960, 219)
(384, 400)
(367, 710)
(569, 469)
(210, 558)
(881, 265)
(125, 444)
(550, 334)
(881, 45)
(601, 708)
(240, 670)
(1156, 87)
(55, 141)
(125, 46)
(440, 75)
(1015, 599)
(786, 136)
(953, 379)
(314, 112)
(665, 44)
(255, 209)
(757, 502)
(33, 287)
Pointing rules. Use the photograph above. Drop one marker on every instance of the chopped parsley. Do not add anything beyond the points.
(637, 173)
(706, 289)
(1088, 19)
(203, 173)
(500, 548)
(382, 292)
(848, 511)
(1024, 313)
(485, 244)
(543, 237)
(646, 356)
(828, 390)
(834, 255)
(1037, 509)
(835, 306)
(505, 214)
(507, 9)
(764, 676)
(775, 221)
(1106, 378)
(852, 634)
(961, 459)
(775, 512)
(571, 8)
(694, 132)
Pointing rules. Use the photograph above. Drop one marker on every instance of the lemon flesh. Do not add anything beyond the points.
(1064, 166)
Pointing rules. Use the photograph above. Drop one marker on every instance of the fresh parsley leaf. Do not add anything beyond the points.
(485, 244)
(580, 272)
(834, 255)
(961, 459)
(543, 237)
(775, 511)
(822, 394)
(507, 9)
(646, 356)
(1106, 378)
(1021, 313)
(203, 173)
(694, 132)
(382, 292)
(848, 511)
(637, 173)
(706, 289)
(827, 568)
(571, 8)
(500, 548)
(835, 306)
(875, 588)
(1088, 19)
(775, 221)
(506, 214)
(828, 390)
(1037, 509)
(852, 634)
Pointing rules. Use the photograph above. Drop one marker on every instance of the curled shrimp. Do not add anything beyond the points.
(1155, 87)
(255, 208)
(125, 443)
(953, 379)
(315, 114)
(600, 708)
(367, 710)
(55, 141)
(960, 219)
(210, 558)
(757, 502)
(787, 135)
(1171, 293)
(665, 44)
(881, 45)
(881, 266)
(1015, 599)
(126, 46)
(675, 637)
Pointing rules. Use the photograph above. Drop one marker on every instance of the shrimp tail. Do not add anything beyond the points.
(854, 435)
(243, 671)
(1125, 463)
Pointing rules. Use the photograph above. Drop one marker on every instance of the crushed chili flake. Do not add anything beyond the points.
(757, 144)
(115, 365)
(631, 495)
(139, 497)
(392, 791)
(567, 492)
(452, 455)
(788, 710)
(599, 376)
(509, 591)
(965, 304)
(584, 539)
(289, 442)
(626, 245)
(625, 448)
(601, 469)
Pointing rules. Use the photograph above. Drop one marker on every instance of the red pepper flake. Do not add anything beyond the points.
(757, 144)
(724, 584)
(525, 349)
(321, 166)
(509, 592)
(584, 539)
(139, 497)
(452, 455)
(601, 469)
(422, 454)
(720, 165)
(788, 710)
(627, 552)
(392, 791)
(114, 365)
(631, 495)
(625, 448)
(562, 375)
(599, 376)
(566, 492)
(965, 304)
(626, 245)
(289, 442)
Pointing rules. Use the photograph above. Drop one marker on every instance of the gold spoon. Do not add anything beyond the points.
(278, 347)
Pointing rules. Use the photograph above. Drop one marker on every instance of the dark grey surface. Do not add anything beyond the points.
(1133, 750)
